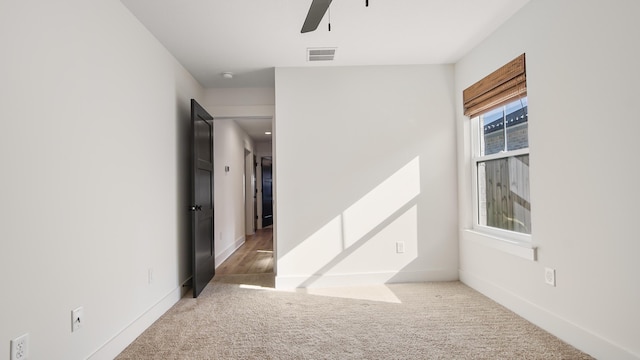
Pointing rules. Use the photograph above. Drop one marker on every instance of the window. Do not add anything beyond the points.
(502, 168)
(498, 108)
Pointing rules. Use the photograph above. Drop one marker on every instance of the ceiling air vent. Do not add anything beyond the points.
(321, 54)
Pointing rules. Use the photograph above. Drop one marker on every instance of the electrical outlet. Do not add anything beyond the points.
(77, 318)
(550, 276)
(400, 247)
(20, 348)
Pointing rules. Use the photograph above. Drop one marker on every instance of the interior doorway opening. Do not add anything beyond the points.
(267, 191)
(250, 193)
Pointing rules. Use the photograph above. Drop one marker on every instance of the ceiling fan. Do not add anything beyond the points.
(314, 16)
(316, 13)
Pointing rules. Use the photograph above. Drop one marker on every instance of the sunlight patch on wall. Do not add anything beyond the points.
(380, 203)
(380, 248)
(316, 250)
(362, 239)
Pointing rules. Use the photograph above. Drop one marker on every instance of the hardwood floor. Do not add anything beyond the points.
(255, 256)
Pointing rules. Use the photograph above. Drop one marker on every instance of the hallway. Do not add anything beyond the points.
(255, 256)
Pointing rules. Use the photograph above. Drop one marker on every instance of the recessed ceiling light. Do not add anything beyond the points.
(227, 75)
(267, 132)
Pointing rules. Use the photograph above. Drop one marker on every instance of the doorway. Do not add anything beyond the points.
(267, 191)
(249, 193)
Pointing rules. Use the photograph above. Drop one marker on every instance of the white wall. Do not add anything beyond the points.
(263, 148)
(94, 119)
(364, 159)
(582, 78)
(227, 97)
(240, 102)
(229, 144)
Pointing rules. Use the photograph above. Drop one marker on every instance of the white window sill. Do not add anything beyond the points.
(523, 250)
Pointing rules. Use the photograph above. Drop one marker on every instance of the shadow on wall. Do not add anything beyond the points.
(365, 233)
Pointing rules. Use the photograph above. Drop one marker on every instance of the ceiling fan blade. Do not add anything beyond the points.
(316, 13)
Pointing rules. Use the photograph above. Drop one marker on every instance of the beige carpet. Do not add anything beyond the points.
(397, 321)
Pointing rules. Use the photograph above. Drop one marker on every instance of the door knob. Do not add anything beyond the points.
(195, 208)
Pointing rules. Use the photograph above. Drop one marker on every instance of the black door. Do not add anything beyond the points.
(255, 195)
(267, 192)
(202, 198)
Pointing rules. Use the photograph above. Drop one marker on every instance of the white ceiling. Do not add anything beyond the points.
(252, 37)
(256, 127)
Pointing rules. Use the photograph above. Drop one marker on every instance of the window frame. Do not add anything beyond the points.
(501, 234)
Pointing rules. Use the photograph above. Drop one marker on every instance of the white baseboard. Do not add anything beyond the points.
(361, 279)
(120, 341)
(567, 331)
(224, 255)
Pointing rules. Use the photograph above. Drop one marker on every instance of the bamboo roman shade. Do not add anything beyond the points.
(497, 88)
